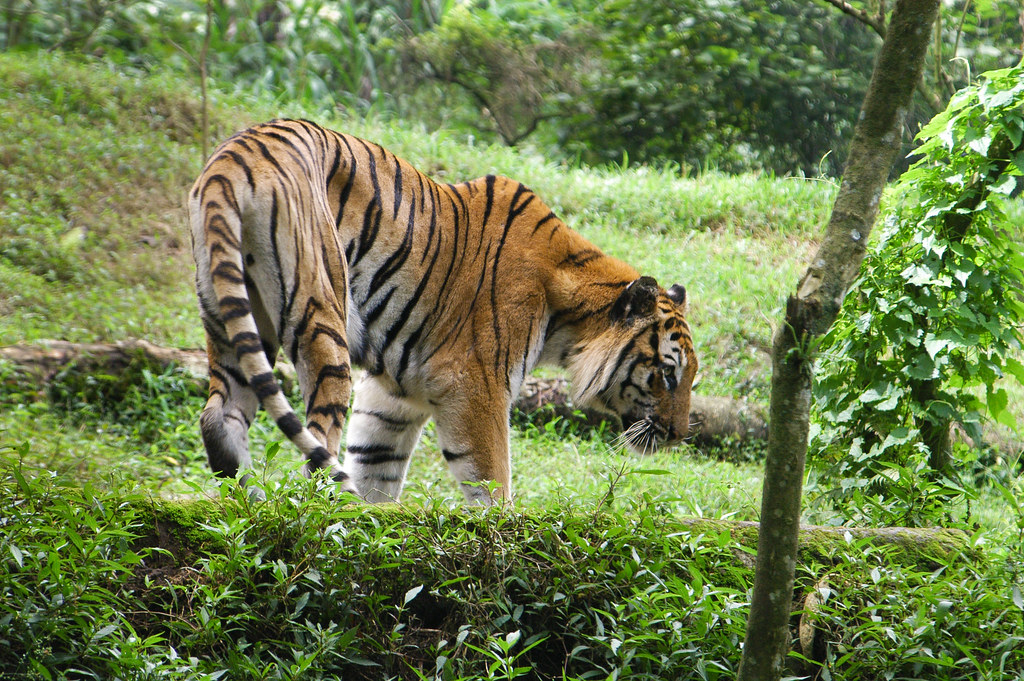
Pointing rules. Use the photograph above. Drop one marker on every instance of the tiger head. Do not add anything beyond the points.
(641, 365)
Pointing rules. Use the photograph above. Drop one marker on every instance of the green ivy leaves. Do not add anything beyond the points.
(935, 321)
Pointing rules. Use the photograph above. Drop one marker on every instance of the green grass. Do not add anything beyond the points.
(96, 162)
(94, 247)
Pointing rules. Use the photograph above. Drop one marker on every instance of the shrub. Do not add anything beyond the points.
(934, 321)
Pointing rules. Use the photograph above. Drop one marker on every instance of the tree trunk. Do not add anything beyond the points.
(809, 314)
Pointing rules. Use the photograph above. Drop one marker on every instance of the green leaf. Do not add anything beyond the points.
(104, 632)
(1016, 368)
(934, 346)
(19, 557)
(300, 604)
(411, 594)
(1000, 98)
(997, 401)
(981, 144)
(873, 395)
(1005, 187)
(888, 404)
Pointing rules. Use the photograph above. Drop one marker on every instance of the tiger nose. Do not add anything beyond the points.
(674, 434)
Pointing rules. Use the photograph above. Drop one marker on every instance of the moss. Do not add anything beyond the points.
(179, 527)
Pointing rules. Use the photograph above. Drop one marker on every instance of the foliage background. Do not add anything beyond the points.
(734, 84)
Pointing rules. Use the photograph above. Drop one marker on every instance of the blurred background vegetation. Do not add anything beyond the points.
(734, 85)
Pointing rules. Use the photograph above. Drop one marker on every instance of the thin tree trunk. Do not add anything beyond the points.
(809, 313)
(203, 55)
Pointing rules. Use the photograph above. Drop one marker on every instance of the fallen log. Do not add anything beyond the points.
(43, 360)
(715, 420)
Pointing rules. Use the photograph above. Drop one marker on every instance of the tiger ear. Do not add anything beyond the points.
(636, 301)
(677, 294)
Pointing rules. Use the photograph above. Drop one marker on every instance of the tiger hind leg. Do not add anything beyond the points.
(224, 422)
(322, 367)
(382, 433)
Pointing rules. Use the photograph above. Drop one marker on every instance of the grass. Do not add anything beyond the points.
(93, 247)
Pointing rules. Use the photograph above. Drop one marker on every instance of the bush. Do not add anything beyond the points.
(732, 85)
(933, 323)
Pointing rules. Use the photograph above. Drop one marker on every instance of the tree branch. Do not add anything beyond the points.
(876, 23)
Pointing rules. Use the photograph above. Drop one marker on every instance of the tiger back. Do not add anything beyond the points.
(333, 250)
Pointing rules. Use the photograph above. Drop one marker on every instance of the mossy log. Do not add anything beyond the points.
(716, 420)
(42, 360)
(178, 527)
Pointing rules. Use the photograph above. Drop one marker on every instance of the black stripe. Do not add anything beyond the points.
(512, 215)
(237, 307)
(451, 456)
(376, 448)
(581, 257)
(217, 225)
(489, 180)
(547, 218)
(433, 223)
(423, 192)
(295, 152)
(246, 343)
(267, 153)
(395, 261)
(235, 374)
(312, 306)
(290, 425)
(322, 330)
(241, 161)
(335, 164)
(281, 288)
(347, 189)
(375, 455)
(338, 371)
(389, 422)
(455, 329)
(398, 188)
(335, 411)
(625, 350)
(371, 316)
(265, 385)
(319, 457)
(372, 216)
(227, 188)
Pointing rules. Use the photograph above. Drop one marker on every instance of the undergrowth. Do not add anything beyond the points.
(103, 582)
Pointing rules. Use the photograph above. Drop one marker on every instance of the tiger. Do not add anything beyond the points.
(334, 251)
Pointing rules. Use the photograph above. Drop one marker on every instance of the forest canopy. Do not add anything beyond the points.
(734, 85)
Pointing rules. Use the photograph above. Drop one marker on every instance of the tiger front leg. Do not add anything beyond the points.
(382, 432)
(474, 440)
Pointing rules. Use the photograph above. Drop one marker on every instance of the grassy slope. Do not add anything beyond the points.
(93, 247)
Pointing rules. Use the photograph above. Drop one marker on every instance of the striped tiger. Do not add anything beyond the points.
(337, 252)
